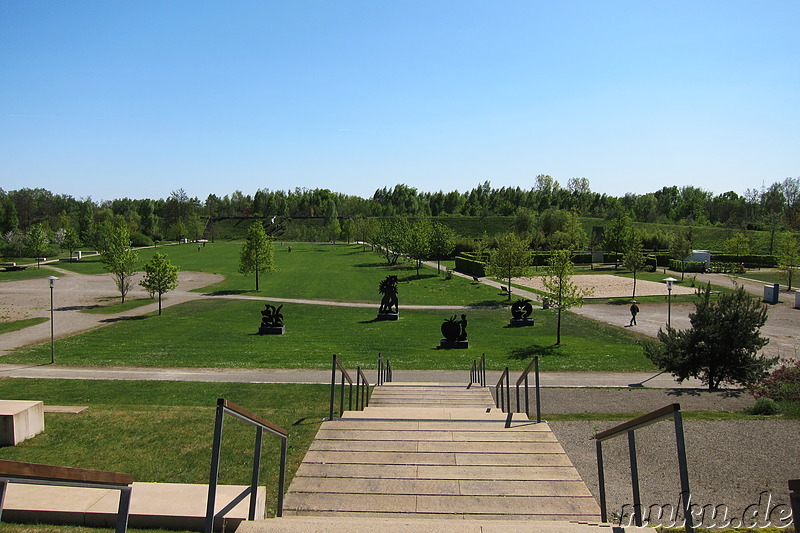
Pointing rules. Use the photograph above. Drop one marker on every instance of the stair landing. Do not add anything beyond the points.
(438, 451)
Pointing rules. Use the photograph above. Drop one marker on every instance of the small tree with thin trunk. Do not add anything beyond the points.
(789, 258)
(160, 276)
(510, 258)
(558, 282)
(118, 257)
(635, 261)
(38, 242)
(256, 255)
(443, 242)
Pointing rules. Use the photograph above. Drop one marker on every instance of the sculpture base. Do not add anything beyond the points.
(388, 316)
(520, 322)
(453, 345)
(279, 330)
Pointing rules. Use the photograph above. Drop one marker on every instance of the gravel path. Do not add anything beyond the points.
(735, 464)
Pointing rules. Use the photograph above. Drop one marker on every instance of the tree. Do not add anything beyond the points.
(70, 241)
(558, 281)
(118, 257)
(38, 242)
(332, 226)
(789, 258)
(443, 242)
(634, 260)
(739, 244)
(256, 254)
(680, 246)
(618, 235)
(391, 236)
(721, 346)
(510, 257)
(418, 242)
(160, 276)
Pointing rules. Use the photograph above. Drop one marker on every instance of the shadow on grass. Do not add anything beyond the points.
(228, 292)
(416, 277)
(371, 265)
(536, 349)
(490, 304)
(77, 307)
(123, 319)
(725, 393)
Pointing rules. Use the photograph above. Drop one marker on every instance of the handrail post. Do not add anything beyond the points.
(256, 468)
(333, 387)
(214, 475)
(637, 501)
(124, 509)
(341, 398)
(601, 479)
(527, 398)
(483, 370)
(380, 370)
(684, 472)
(538, 396)
(282, 478)
(508, 390)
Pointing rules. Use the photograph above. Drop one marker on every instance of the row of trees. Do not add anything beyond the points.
(180, 216)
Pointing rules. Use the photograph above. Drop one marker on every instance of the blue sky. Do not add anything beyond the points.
(110, 99)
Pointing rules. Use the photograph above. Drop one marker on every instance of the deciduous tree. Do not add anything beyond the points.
(160, 276)
(256, 255)
(558, 282)
(510, 258)
(789, 258)
(443, 242)
(118, 257)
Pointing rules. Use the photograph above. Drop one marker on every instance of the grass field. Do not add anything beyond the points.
(218, 333)
(161, 431)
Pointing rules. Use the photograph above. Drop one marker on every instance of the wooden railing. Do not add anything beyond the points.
(36, 474)
(261, 425)
(670, 411)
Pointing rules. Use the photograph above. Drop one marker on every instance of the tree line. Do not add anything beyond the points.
(547, 211)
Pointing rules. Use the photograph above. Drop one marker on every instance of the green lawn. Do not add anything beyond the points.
(162, 431)
(221, 333)
(14, 325)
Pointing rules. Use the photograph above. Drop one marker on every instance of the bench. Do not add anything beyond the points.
(504, 288)
(36, 474)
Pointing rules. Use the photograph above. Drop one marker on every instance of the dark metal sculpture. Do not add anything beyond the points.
(455, 333)
(388, 288)
(271, 321)
(520, 313)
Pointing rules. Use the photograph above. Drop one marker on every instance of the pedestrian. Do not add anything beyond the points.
(634, 312)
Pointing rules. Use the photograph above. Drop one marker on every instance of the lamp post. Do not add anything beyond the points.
(52, 331)
(669, 281)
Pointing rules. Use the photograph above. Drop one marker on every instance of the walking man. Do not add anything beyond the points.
(634, 312)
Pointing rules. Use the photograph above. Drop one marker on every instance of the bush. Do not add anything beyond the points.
(140, 239)
(764, 406)
(782, 385)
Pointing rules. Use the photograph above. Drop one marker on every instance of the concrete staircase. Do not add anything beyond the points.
(435, 456)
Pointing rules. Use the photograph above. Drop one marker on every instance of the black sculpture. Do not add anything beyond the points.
(455, 333)
(520, 313)
(271, 321)
(388, 288)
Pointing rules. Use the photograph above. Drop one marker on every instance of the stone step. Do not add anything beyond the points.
(153, 505)
(350, 524)
(520, 473)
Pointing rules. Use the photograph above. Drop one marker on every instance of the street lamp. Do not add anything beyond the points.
(52, 333)
(669, 281)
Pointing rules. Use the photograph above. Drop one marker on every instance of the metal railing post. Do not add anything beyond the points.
(256, 468)
(214, 475)
(601, 479)
(124, 509)
(282, 478)
(684, 472)
(637, 501)
(538, 395)
(483, 370)
(333, 387)
(341, 398)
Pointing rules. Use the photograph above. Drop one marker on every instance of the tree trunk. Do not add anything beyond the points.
(159, 304)
(558, 328)
(633, 297)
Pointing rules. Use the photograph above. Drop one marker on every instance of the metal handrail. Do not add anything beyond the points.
(362, 389)
(37, 474)
(384, 371)
(670, 411)
(477, 373)
(503, 400)
(533, 365)
(223, 407)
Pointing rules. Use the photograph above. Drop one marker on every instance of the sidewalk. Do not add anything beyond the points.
(265, 375)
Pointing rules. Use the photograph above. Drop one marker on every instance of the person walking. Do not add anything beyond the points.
(634, 312)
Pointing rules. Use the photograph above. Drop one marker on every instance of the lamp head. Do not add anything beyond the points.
(52, 281)
(670, 281)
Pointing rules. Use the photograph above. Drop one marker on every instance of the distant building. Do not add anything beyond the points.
(700, 256)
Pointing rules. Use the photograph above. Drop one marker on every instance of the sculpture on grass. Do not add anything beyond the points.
(388, 288)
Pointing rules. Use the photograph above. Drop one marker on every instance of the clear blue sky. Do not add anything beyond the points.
(114, 99)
